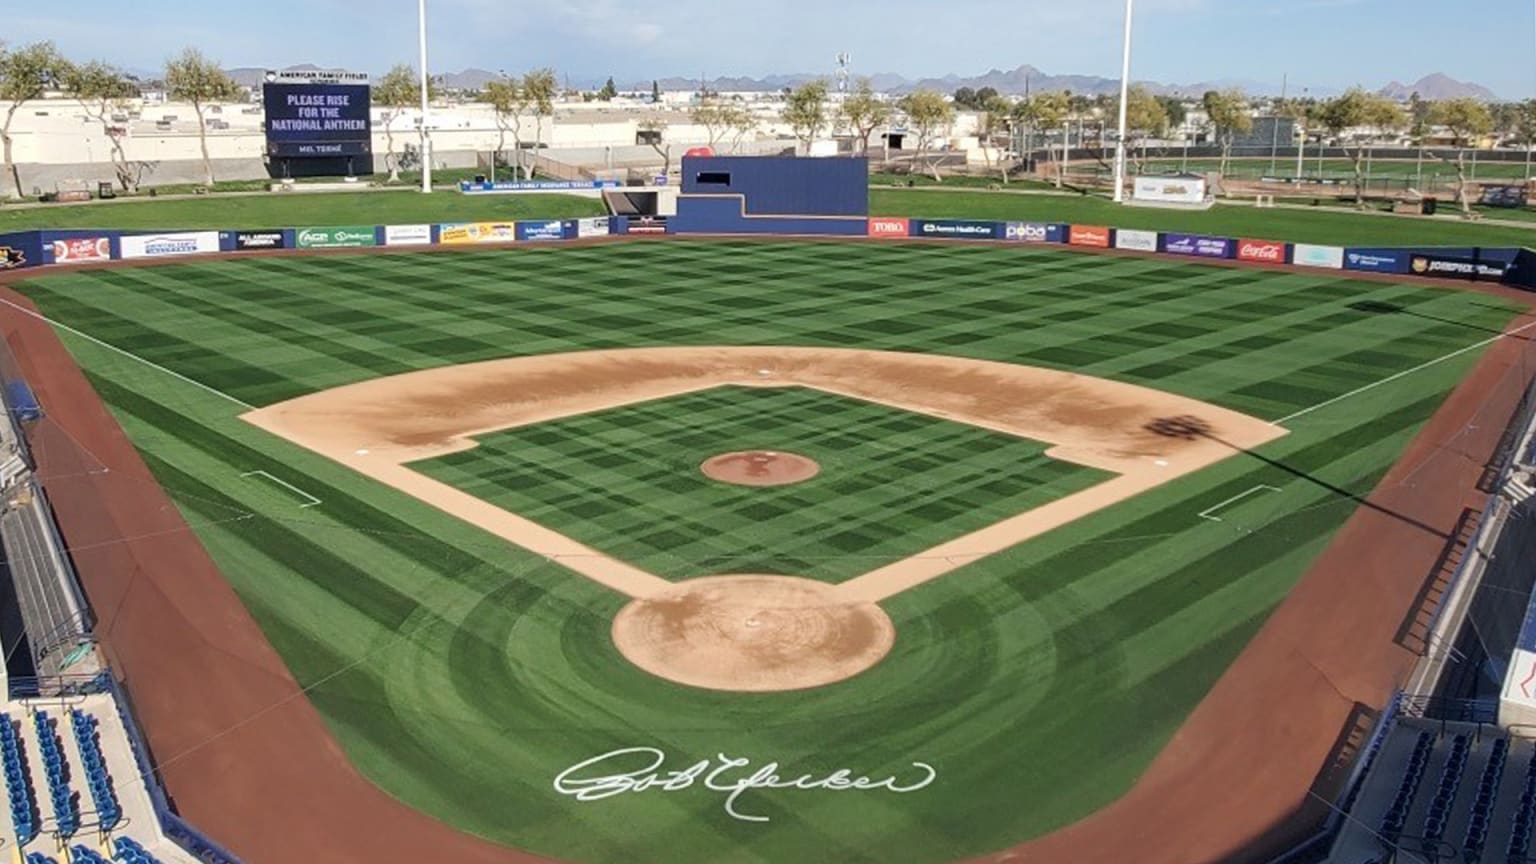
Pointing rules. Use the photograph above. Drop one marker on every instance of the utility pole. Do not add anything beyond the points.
(426, 140)
(1125, 92)
(1274, 120)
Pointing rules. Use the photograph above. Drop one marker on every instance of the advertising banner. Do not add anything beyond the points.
(538, 231)
(81, 249)
(1376, 260)
(345, 237)
(1027, 232)
(881, 226)
(407, 235)
(465, 233)
(648, 225)
(1170, 190)
(960, 229)
(1198, 245)
(1308, 255)
(1089, 235)
(505, 186)
(20, 250)
(1138, 241)
(252, 240)
(161, 245)
(1261, 251)
(1449, 267)
(597, 227)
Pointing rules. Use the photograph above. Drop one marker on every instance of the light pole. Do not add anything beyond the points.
(426, 141)
(1125, 93)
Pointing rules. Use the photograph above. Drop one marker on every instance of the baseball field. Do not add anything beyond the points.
(1051, 496)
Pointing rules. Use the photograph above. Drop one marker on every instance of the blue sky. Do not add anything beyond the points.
(1323, 43)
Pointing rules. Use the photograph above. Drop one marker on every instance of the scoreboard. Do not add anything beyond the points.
(317, 115)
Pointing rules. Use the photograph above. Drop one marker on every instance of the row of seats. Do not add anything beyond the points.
(1520, 829)
(1445, 792)
(65, 811)
(85, 855)
(128, 851)
(108, 811)
(1397, 815)
(1482, 807)
(23, 812)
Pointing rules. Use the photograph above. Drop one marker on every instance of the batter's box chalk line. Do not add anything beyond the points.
(311, 501)
(1209, 514)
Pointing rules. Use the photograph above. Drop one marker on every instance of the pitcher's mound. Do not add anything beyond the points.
(760, 468)
(753, 634)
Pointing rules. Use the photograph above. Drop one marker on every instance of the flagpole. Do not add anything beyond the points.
(426, 141)
(1125, 92)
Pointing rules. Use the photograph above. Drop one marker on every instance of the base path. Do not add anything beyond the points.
(1146, 437)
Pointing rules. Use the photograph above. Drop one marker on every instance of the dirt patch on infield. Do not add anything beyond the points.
(760, 468)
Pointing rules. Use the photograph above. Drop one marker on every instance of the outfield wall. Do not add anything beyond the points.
(725, 216)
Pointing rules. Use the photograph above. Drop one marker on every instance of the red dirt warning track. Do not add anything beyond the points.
(249, 761)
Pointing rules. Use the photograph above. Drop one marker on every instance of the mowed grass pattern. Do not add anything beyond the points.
(627, 482)
(463, 674)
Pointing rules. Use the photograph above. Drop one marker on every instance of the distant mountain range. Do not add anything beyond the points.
(1013, 83)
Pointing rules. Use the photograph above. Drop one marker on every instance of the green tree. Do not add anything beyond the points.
(964, 97)
(929, 114)
(864, 112)
(1144, 118)
(1353, 111)
(1174, 108)
(191, 77)
(397, 92)
(25, 74)
(103, 91)
(1230, 116)
(508, 102)
(1044, 113)
(721, 118)
(996, 116)
(609, 91)
(1468, 120)
(656, 92)
(805, 110)
(539, 88)
(1525, 131)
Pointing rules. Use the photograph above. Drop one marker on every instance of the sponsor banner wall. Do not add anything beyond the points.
(1376, 260)
(1170, 190)
(21, 250)
(553, 229)
(161, 245)
(882, 226)
(1440, 265)
(1089, 235)
(644, 225)
(596, 227)
(407, 235)
(1261, 251)
(70, 250)
(1198, 245)
(344, 237)
(1308, 255)
(959, 229)
(465, 233)
(1139, 241)
(504, 186)
(250, 241)
(1027, 232)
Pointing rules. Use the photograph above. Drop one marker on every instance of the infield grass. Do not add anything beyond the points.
(462, 674)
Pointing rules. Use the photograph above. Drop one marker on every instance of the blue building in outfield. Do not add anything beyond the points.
(773, 195)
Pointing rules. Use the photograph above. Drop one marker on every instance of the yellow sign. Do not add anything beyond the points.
(463, 233)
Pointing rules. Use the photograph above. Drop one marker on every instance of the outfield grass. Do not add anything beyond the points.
(626, 481)
(299, 209)
(462, 674)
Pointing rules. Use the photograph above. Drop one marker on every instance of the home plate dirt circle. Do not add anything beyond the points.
(753, 634)
(760, 468)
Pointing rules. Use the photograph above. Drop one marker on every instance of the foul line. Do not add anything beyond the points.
(1206, 513)
(313, 501)
(129, 354)
(1403, 374)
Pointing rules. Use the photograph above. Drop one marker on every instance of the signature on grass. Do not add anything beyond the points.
(642, 769)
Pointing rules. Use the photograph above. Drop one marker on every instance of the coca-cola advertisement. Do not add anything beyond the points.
(1261, 251)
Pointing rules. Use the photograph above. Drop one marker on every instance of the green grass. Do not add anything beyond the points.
(290, 210)
(1298, 226)
(462, 674)
(626, 481)
(1343, 169)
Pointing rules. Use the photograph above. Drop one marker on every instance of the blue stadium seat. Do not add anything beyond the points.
(108, 811)
(39, 858)
(18, 789)
(66, 812)
(1482, 807)
(85, 855)
(130, 852)
(1408, 787)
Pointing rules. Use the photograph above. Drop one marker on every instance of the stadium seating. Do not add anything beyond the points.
(1520, 828)
(66, 811)
(1397, 814)
(108, 810)
(1482, 806)
(39, 858)
(130, 852)
(23, 811)
(1445, 793)
(85, 855)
